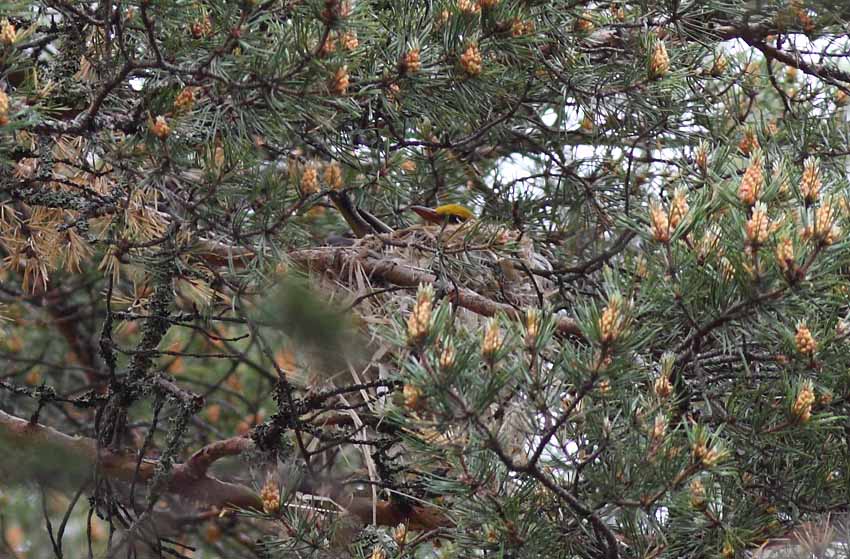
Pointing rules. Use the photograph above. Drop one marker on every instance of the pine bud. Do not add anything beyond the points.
(749, 143)
(678, 207)
(410, 62)
(758, 226)
(804, 340)
(752, 182)
(4, 108)
(327, 48)
(447, 356)
(333, 175)
(583, 23)
(718, 66)
(701, 157)
(801, 409)
(487, 4)
(185, 100)
(471, 61)
(727, 270)
(662, 387)
(468, 7)
(773, 127)
(810, 184)
(159, 128)
(213, 413)
(824, 230)
(392, 92)
(617, 12)
(419, 321)
(841, 98)
(785, 255)
(697, 492)
(805, 20)
(413, 398)
(33, 378)
(641, 270)
(378, 553)
(668, 361)
(338, 84)
(612, 321)
(791, 74)
(8, 34)
(705, 456)
(659, 427)
(201, 28)
(400, 534)
(532, 327)
(659, 61)
(348, 41)
(270, 496)
(492, 341)
(751, 74)
(784, 186)
(607, 427)
(659, 223)
(309, 180)
(335, 10)
(520, 28)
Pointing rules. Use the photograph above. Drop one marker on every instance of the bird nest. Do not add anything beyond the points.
(483, 269)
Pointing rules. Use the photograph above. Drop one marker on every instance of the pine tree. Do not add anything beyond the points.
(433, 278)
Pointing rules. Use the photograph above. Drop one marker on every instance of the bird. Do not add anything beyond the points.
(463, 241)
(360, 221)
(363, 223)
(447, 213)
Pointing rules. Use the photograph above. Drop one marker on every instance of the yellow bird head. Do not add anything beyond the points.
(447, 213)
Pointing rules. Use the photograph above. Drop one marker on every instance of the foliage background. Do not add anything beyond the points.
(173, 277)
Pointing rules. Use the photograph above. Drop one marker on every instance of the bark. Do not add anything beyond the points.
(43, 450)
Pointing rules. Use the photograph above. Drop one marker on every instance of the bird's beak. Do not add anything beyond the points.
(428, 214)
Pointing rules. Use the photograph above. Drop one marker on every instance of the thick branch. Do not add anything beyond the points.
(44, 447)
(34, 441)
(830, 74)
(199, 463)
